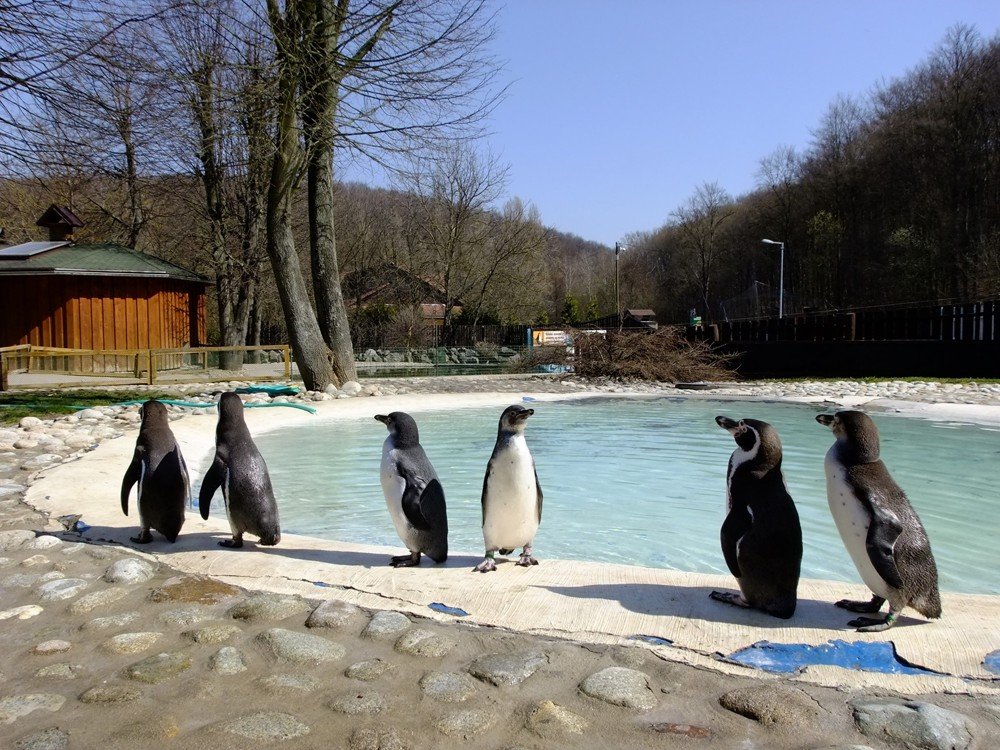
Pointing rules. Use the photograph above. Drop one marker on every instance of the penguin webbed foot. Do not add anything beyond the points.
(485, 566)
(872, 624)
(231, 543)
(869, 607)
(144, 537)
(730, 597)
(526, 561)
(405, 561)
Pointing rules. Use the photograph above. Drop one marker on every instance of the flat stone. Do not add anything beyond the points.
(419, 642)
(266, 726)
(60, 671)
(43, 541)
(771, 704)
(129, 570)
(72, 549)
(30, 423)
(376, 738)
(213, 633)
(268, 608)
(356, 703)
(194, 590)
(15, 539)
(467, 723)
(351, 388)
(111, 694)
(63, 588)
(96, 599)
(16, 706)
(27, 580)
(915, 724)
(34, 561)
(548, 719)
(289, 683)
(46, 648)
(507, 669)
(299, 648)
(21, 613)
(49, 739)
(227, 660)
(368, 670)
(130, 643)
(331, 614)
(386, 624)
(684, 730)
(159, 668)
(41, 461)
(450, 687)
(111, 621)
(185, 617)
(620, 686)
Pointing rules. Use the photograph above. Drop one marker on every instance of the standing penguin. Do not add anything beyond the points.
(512, 496)
(158, 467)
(412, 492)
(761, 536)
(878, 525)
(239, 469)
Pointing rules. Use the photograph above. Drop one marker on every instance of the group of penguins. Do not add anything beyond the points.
(761, 535)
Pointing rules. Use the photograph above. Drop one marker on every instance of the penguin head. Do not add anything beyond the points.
(514, 418)
(754, 435)
(856, 432)
(230, 407)
(402, 428)
(153, 412)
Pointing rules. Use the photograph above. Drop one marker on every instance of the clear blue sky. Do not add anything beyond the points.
(619, 109)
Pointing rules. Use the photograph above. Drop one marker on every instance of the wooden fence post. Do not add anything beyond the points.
(152, 368)
(288, 363)
(4, 384)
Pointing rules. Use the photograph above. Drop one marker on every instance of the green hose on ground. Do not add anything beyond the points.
(210, 405)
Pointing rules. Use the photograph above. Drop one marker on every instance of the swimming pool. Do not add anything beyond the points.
(642, 482)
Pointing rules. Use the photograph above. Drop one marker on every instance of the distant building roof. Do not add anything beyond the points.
(95, 260)
(59, 216)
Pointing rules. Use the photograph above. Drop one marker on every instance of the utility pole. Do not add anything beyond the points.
(618, 299)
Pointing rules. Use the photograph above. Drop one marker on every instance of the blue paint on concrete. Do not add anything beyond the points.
(865, 656)
(439, 607)
(992, 662)
(653, 639)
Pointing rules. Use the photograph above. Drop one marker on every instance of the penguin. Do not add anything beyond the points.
(512, 496)
(239, 469)
(878, 526)
(413, 493)
(158, 467)
(761, 536)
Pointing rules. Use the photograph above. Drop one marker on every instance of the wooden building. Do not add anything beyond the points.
(95, 296)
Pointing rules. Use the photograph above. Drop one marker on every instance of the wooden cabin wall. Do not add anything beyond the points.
(101, 312)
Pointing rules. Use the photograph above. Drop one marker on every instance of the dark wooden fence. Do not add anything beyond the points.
(431, 336)
(973, 321)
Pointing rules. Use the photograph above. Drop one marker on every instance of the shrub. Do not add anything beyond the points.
(664, 356)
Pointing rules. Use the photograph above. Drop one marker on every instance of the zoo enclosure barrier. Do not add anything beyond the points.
(266, 362)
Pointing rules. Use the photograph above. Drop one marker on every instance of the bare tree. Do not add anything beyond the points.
(701, 222)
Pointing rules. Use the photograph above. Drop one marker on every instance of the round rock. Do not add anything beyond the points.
(63, 588)
(46, 648)
(547, 719)
(331, 614)
(467, 723)
(16, 706)
(111, 694)
(266, 726)
(15, 539)
(43, 541)
(193, 590)
(620, 686)
(130, 643)
(213, 633)
(913, 723)
(111, 621)
(159, 668)
(419, 642)
(376, 738)
(771, 704)
(50, 739)
(24, 612)
(289, 683)
(450, 687)
(268, 608)
(386, 625)
(129, 570)
(507, 669)
(299, 648)
(227, 660)
(368, 670)
(94, 600)
(60, 671)
(356, 703)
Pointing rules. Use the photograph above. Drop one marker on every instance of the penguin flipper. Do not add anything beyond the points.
(734, 528)
(132, 475)
(212, 481)
(538, 488)
(883, 532)
(184, 475)
(432, 506)
(486, 484)
(413, 502)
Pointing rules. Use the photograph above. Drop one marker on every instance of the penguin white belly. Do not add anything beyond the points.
(511, 518)
(853, 520)
(393, 487)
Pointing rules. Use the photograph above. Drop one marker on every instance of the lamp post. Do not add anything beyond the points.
(781, 277)
(618, 299)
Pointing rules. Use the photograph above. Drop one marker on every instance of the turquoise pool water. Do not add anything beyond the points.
(642, 482)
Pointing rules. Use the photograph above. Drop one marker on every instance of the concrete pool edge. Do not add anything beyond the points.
(589, 602)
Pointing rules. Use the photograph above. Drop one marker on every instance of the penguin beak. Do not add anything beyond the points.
(521, 416)
(825, 419)
(731, 426)
(383, 418)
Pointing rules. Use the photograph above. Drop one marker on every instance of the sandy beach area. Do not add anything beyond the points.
(316, 643)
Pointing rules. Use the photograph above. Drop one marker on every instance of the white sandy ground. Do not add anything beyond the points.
(585, 601)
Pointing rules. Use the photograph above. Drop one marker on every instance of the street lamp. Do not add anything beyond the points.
(618, 299)
(781, 278)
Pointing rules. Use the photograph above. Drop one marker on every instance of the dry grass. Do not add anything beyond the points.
(664, 356)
